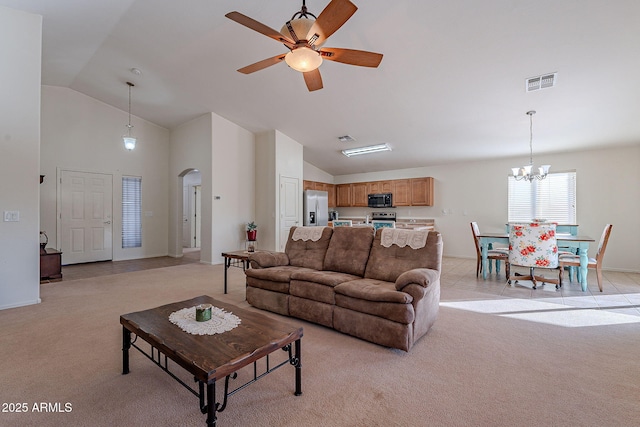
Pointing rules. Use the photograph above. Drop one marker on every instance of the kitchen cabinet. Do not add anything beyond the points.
(331, 189)
(406, 192)
(359, 194)
(343, 195)
(422, 191)
(322, 186)
(378, 187)
(401, 192)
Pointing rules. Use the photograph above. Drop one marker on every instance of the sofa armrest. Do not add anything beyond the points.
(420, 276)
(265, 259)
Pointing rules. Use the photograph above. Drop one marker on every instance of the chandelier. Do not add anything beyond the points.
(128, 140)
(525, 172)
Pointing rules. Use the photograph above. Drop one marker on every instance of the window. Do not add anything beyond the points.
(131, 212)
(553, 198)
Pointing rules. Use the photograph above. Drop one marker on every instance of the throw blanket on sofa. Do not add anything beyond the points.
(416, 239)
(307, 233)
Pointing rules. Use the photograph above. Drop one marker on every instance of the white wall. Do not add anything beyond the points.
(20, 50)
(266, 185)
(312, 173)
(279, 156)
(82, 134)
(190, 149)
(234, 182)
(607, 186)
(224, 153)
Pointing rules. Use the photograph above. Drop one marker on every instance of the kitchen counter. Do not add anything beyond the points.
(406, 224)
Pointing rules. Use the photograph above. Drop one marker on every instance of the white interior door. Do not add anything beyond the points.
(86, 221)
(186, 223)
(197, 204)
(290, 212)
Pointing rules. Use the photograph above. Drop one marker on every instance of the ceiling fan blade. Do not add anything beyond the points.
(260, 27)
(260, 65)
(352, 56)
(330, 19)
(313, 79)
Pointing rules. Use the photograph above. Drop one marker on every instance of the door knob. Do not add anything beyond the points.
(107, 222)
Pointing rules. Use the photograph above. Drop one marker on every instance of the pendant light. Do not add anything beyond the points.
(526, 173)
(128, 140)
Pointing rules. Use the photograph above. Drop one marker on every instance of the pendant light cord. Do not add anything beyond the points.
(129, 125)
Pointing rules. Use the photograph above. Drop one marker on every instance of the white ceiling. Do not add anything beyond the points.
(450, 88)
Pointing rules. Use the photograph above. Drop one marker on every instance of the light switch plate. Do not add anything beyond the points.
(11, 216)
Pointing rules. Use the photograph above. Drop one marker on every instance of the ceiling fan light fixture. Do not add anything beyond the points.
(366, 150)
(303, 59)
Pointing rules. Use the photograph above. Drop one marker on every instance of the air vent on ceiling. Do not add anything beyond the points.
(541, 82)
(346, 138)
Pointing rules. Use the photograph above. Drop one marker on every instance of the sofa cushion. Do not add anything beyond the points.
(265, 259)
(328, 278)
(273, 278)
(349, 249)
(387, 264)
(307, 253)
(373, 290)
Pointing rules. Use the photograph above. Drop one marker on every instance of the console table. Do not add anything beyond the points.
(50, 264)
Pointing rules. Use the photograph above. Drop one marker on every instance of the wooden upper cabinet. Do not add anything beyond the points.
(401, 192)
(359, 193)
(331, 189)
(378, 187)
(343, 195)
(322, 186)
(422, 191)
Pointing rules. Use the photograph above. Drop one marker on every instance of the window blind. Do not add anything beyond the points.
(131, 212)
(553, 198)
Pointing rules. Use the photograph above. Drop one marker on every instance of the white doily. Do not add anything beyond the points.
(307, 233)
(416, 239)
(221, 321)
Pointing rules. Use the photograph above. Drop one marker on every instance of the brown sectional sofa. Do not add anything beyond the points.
(347, 280)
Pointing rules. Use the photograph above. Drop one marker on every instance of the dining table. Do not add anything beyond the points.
(580, 243)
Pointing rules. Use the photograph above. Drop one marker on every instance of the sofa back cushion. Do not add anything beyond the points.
(308, 253)
(389, 263)
(349, 250)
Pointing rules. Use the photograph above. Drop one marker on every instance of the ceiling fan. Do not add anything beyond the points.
(304, 37)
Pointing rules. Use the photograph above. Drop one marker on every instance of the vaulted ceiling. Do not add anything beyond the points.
(450, 88)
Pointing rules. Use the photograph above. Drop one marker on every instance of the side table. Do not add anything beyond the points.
(50, 264)
(238, 259)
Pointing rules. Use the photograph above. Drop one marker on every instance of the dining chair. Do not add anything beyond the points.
(533, 245)
(492, 254)
(380, 224)
(342, 223)
(573, 261)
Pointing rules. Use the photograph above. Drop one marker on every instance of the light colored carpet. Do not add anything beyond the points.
(474, 368)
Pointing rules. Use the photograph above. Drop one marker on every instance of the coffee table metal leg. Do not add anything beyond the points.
(211, 405)
(298, 366)
(126, 345)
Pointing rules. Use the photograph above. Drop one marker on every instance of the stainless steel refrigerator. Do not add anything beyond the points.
(316, 208)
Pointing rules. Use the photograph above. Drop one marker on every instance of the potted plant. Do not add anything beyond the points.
(252, 231)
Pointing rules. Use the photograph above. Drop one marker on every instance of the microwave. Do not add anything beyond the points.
(383, 200)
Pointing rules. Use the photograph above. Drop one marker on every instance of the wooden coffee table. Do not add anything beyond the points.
(211, 358)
